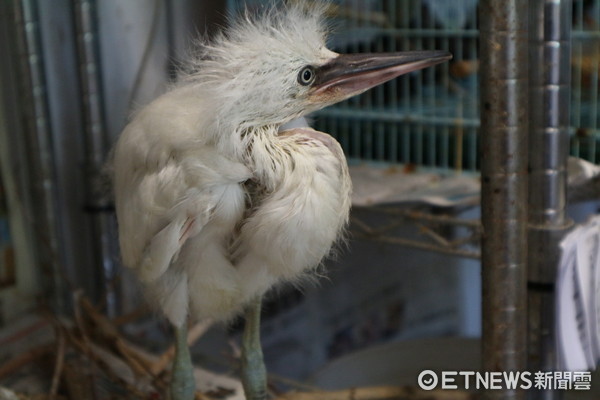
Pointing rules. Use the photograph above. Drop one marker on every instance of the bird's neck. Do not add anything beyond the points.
(234, 139)
(264, 155)
(257, 147)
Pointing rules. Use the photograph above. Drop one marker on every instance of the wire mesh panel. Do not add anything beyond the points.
(585, 62)
(431, 117)
(427, 117)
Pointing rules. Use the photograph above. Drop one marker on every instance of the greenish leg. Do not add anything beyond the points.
(254, 373)
(183, 385)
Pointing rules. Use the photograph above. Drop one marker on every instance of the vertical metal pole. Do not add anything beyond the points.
(550, 46)
(39, 145)
(504, 127)
(98, 203)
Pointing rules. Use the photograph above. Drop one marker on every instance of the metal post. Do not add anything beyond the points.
(504, 126)
(98, 203)
(38, 139)
(550, 34)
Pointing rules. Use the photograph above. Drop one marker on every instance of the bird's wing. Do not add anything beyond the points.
(293, 226)
(167, 199)
(307, 133)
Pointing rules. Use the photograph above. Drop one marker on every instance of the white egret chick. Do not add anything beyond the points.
(215, 205)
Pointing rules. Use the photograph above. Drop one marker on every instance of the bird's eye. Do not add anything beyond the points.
(306, 76)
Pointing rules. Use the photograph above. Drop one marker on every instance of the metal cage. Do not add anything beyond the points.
(431, 118)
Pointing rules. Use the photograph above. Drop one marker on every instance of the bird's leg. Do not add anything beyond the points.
(254, 374)
(183, 385)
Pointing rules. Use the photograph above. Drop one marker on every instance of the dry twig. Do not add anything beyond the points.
(83, 348)
(106, 332)
(23, 359)
(77, 382)
(58, 366)
(134, 315)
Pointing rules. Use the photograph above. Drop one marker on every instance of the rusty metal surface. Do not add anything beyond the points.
(504, 125)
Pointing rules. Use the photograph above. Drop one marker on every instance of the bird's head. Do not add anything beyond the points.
(273, 68)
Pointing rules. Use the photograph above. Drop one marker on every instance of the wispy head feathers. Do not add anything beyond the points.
(250, 70)
(294, 27)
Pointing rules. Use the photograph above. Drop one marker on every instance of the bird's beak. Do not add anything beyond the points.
(347, 75)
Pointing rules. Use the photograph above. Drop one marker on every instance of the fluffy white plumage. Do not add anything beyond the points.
(214, 205)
